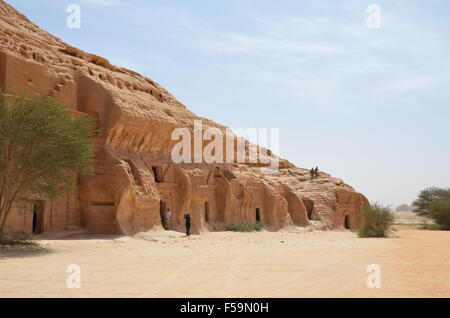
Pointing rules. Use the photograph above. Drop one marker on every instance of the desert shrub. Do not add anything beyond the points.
(16, 238)
(258, 227)
(377, 220)
(237, 227)
(439, 212)
(429, 226)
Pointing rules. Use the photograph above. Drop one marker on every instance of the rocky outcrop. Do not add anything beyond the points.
(136, 177)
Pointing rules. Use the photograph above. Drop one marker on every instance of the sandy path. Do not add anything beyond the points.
(282, 264)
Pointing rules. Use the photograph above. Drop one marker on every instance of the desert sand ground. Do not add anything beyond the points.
(225, 264)
(409, 218)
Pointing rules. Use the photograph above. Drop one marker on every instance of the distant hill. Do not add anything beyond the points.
(405, 208)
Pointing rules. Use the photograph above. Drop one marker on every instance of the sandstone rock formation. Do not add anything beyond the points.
(136, 178)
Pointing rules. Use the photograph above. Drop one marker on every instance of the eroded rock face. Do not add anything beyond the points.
(136, 178)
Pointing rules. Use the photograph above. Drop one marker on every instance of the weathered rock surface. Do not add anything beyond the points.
(136, 177)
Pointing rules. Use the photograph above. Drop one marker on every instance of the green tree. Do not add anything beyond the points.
(439, 212)
(42, 146)
(427, 196)
(377, 220)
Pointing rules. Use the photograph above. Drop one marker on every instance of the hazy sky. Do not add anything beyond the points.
(371, 106)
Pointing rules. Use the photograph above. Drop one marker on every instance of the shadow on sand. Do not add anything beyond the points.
(23, 251)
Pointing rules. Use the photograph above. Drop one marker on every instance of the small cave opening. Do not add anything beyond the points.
(206, 212)
(258, 216)
(309, 205)
(156, 174)
(347, 222)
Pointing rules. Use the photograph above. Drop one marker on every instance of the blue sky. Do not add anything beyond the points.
(371, 106)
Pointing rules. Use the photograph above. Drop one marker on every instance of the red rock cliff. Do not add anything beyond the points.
(136, 178)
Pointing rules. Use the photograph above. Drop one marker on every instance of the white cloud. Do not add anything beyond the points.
(332, 61)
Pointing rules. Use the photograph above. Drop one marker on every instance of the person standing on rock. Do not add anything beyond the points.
(187, 219)
(167, 215)
(313, 174)
(316, 173)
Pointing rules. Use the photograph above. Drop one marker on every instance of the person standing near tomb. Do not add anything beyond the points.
(167, 216)
(187, 219)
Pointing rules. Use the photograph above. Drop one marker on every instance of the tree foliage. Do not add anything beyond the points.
(41, 148)
(439, 212)
(427, 196)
